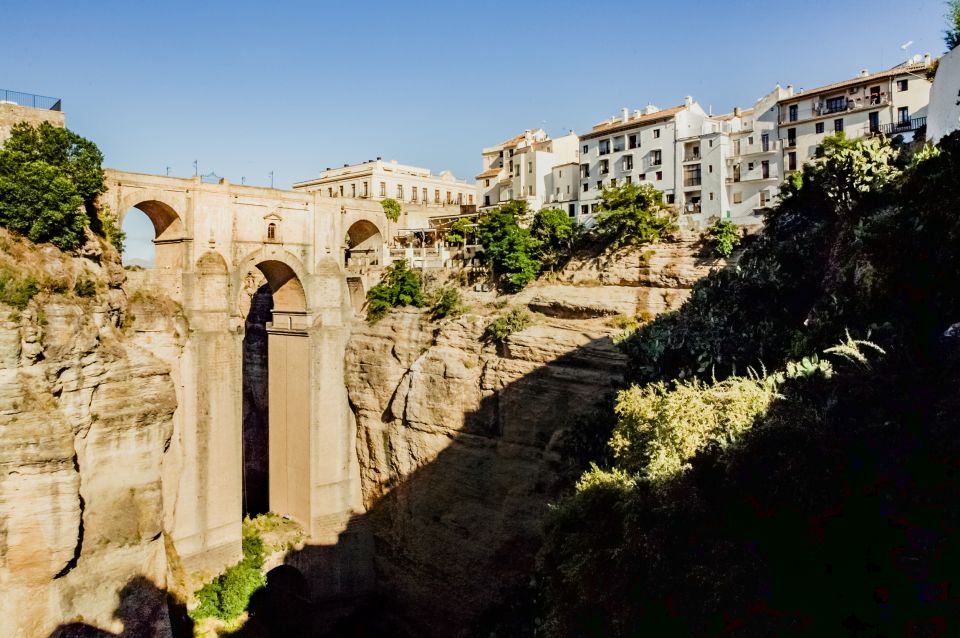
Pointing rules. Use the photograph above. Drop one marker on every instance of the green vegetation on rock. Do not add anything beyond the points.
(722, 237)
(515, 320)
(400, 287)
(633, 215)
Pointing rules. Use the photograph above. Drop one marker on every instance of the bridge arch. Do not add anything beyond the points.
(168, 226)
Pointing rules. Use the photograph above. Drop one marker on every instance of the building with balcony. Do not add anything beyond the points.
(378, 180)
(642, 146)
(891, 102)
(532, 167)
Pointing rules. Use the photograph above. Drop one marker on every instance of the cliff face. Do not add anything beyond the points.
(463, 443)
(85, 418)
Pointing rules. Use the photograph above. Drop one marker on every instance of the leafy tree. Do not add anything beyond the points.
(400, 287)
(632, 214)
(723, 237)
(446, 302)
(391, 208)
(458, 231)
(556, 234)
(952, 34)
(509, 248)
(50, 179)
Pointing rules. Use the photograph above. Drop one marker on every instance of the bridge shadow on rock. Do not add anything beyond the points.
(145, 610)
(456, 536)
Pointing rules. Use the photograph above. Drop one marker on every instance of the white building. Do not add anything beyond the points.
(378, 180)
(891, 102)
(531, 167)
(944, 110)
(645, 146)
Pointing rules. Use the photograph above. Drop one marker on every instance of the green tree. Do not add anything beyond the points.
(509, 248)
(391, 208)
(632, 214)
(556, 234)
(952, 34)
(458, 231)
(400, 287)
(50, 179)
(723, 237)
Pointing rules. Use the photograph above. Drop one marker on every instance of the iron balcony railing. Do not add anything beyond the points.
(903, 126)
(692, 157)
(691, 181)
(31, 100)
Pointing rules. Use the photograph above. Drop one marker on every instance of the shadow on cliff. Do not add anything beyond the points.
(145, 610)
(456, 539)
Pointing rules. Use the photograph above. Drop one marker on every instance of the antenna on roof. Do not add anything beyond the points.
(905, 46)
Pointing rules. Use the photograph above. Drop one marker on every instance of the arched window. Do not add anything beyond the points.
(271, 231)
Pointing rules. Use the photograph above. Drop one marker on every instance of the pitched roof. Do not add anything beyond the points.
(490, 172)
(902, 69)
(619, 125)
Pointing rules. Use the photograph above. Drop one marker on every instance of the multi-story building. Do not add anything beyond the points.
(378, 180)
(531, 167)
(660, 147)
(891, 102)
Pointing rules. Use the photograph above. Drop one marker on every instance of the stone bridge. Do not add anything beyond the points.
(219, 246)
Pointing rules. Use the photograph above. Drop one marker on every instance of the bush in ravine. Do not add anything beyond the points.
(400, 287)
(50, 179)
(228, 595)
(503, 326)
(446, 302)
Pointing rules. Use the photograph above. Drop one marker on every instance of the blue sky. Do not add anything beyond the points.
(246, 88)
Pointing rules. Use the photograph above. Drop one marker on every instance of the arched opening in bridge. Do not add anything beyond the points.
(154, 234)
(275, 392)
(364, 245)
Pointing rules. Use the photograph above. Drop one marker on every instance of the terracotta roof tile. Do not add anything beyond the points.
(618, 125)
(490, 172)
(897, 70)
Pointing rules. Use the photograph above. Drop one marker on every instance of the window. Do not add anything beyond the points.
(628, 162)
(353, 190)
(604, 147)
(633, 141)
(413, 193)
(792, 161)
(383, 189)
(711, 197)
(571, 210)
(584, 209)
(791, 137)
(586, 186)
(765, 169)
(903, 115)
(516, 172)
(738, 198)
(838, 125)
(819, 127)
(459, 199)
(656, 133)
(656, 158)
(436, 196)
(627, 180)
(586, 149)
(659, 175)
(599, 184)
(511, 166)
(749, 166)
(449, 197)
(670, 198)
(366, 189)
(691, 175)
(271, 231)
(901, 85)
(750, 140)
(530, 190)
(763, 198)
(836, 104)
(584, 171)
(529, 167)
(330, 192)
(793, 112)
(400, 192)
(765, 142)
(618, 144)
(486, 200)
(613, 182)
(341, 190)
(641, 177)
(604, 166)
(470, 197)
(710, 168)
(736, 172)
(486, 182)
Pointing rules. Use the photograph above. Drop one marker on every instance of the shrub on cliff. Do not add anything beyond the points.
(556, 234)
(50, 179)
(633, 215)
(515, 320)
(400, 287)
(446, 302)
(722, 238)
(509, 247)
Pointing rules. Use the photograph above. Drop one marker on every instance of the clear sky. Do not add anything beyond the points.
(246, 88)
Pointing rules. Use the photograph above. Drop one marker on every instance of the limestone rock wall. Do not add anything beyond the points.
(85, 419)
(461, 447)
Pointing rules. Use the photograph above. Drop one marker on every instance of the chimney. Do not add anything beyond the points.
(926, 59)
(789, 90)
(736, 111)
(688, 101)
(625, 114)
(379, 158)
(864, 73)
(636, 113)
(650, 109)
